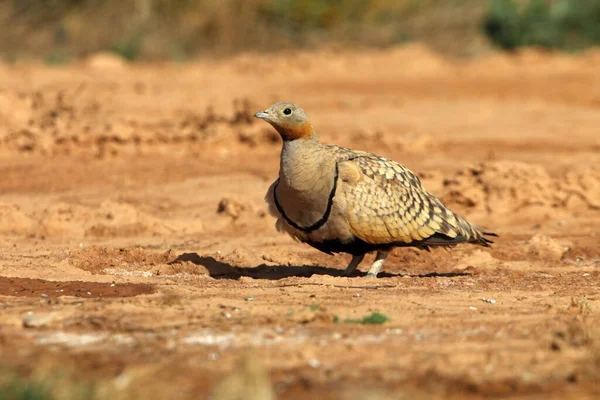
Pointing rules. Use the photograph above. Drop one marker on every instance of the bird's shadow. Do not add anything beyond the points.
(222, 270)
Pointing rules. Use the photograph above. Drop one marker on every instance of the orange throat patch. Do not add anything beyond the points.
(294, 131)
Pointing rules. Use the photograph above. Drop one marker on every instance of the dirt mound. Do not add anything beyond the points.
(545, 248)
(504, 187)
(476, 259)
(14, 221)
(105, 61)
(242, 257)
(582, 188)
(74, 122)
(138, 262)
(109, 219)
(239, 210)
(103, 260)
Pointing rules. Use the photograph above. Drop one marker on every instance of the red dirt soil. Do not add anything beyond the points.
(152, 178)
(51, 289)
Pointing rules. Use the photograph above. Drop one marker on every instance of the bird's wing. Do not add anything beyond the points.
(386, 203)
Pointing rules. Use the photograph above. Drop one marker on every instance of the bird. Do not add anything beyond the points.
(340, 200)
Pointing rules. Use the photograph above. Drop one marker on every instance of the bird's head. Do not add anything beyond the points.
(289, 120)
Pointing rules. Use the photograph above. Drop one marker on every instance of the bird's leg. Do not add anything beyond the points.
(379, 260)
(353, 264)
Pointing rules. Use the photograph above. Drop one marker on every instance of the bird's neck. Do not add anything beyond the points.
(302, 161)
(307, 177)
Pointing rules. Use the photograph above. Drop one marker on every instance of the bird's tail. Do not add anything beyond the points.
(474, 234)
(453, 229)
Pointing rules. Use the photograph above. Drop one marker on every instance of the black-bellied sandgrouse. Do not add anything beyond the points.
(344, 201)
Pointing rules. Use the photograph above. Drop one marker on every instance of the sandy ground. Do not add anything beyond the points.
(136, 251)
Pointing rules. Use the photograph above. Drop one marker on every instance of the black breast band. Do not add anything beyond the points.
(322, 221)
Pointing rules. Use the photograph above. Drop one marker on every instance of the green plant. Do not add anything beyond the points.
(130, 47)
(42, 386)
(372, 319)
(177, 53)
(581, 304)
(19, 389)
(563, 24)
(56, 58)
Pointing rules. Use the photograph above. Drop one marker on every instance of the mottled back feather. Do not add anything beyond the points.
(387, 204)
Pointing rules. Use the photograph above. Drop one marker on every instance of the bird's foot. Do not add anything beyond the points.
(353, 264)
(377, 264)
(370, 275)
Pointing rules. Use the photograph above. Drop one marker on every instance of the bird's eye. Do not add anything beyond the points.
(287, 111)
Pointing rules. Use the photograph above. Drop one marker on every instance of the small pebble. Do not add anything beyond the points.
(112, 285)
(89, 293)
(490, 301)
(32, 320)
(250, 299)
(44, 295)
(314, 363)
(472, 308)
(357, 295)
(586, 274)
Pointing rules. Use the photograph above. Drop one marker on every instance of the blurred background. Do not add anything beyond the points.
(137, 257)
(60, 30)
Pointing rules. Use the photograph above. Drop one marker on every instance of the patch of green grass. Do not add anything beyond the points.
(10, 58)
(179, 29)
(372, 319)
(130, 48)
(581, 304)
(14, 386)
(314, 307)
(19, 389)
(302, 14)
(560, 24)
(177, 53)
(585, 303)
(56, 58)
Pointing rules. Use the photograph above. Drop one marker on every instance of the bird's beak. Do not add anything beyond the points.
(261, 115)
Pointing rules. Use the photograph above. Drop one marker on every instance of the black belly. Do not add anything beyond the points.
(358, 247)
(355, 247)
